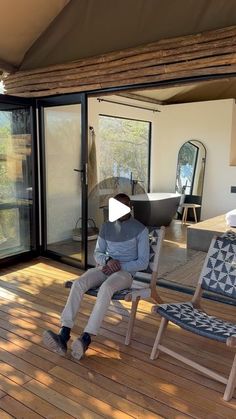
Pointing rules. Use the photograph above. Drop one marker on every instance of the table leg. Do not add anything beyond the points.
(184, 217)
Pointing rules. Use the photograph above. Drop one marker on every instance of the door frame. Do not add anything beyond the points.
(35, 234)
(62, 100)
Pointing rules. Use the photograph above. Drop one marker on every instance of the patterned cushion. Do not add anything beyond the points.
(154, 236)
(197, 321)
(119, 295)
(219, 272)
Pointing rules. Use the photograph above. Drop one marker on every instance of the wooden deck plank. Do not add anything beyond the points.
(120, 395)
(133, 373)
(2, 394)
(60, 401)
(209, 357)
(164, 377)
(141, 336)
(5, 415)
(88, 404)
(14, 360)
(15, 375)
(113, 379)
(30, 400)
(18, 335)
(16, 409)
(18, 366)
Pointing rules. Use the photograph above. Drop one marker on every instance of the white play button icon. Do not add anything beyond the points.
(117, 209)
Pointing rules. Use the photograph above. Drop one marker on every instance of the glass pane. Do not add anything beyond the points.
(63, 184)
(186, 168)
(15, 180)
(127, 141)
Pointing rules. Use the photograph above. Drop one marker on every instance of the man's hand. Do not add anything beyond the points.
(106, 270)
(111, 267)
(114, 265)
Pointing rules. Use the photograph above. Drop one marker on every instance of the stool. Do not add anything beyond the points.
(185, 212)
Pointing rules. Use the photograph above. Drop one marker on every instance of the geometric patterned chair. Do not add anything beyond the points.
(134, 294)
(219, 276)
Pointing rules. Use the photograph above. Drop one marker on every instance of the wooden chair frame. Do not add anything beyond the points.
(230, 382)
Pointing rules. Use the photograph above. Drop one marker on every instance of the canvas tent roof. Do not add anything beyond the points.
(39, 33)
(21, 24)
(192, 92)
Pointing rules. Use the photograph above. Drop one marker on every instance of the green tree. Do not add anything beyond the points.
(124, 147)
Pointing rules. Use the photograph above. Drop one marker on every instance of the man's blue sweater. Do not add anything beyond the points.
(126, 241)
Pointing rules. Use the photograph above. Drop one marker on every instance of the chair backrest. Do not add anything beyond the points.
(156, 236)
(219, 270)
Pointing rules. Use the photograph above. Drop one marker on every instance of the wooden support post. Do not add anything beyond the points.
(131, 321)
(229, 391)
(162, 328)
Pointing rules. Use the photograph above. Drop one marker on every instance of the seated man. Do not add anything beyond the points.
(121, 250)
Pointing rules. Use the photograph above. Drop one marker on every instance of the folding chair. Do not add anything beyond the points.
(156, 236)
(219, 276)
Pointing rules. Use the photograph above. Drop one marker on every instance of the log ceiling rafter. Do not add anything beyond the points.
(211, 53)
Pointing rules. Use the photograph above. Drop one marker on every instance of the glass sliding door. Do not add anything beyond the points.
(65, 183)
(18, 222)
(119, 161)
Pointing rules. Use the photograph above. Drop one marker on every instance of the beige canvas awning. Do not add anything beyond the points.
(91, 27)
(189, 92)
(21, 24)
(40, 33)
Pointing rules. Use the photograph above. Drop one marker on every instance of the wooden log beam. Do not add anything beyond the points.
(161, 78)
(210, 53)
(209, 65)
(148, 60)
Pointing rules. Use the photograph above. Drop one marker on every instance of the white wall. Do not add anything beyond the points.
(233, 138)
(210, 122)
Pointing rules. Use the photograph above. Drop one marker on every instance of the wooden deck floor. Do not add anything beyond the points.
(112, 381)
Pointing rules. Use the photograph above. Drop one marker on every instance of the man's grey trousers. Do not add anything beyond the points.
(108, 286)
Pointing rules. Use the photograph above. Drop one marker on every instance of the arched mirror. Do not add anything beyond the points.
(190, 172)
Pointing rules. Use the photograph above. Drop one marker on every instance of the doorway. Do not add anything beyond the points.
(64, 178)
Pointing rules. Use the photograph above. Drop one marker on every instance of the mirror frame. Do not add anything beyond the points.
(192, 141)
